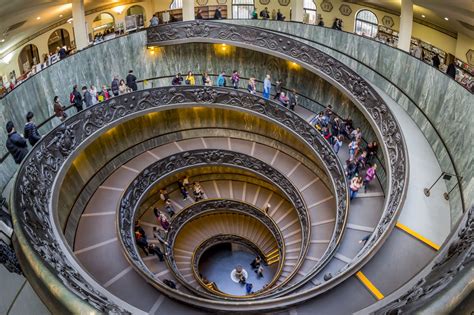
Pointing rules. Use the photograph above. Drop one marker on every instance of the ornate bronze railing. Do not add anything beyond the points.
(150, 176)
(334, 71)
(35, 190)
(226, 238)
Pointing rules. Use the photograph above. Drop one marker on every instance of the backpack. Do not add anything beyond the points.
(71, 98)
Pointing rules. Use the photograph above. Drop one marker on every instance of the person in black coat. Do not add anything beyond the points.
(76, 99)
(155, 250)
(87, 97)
(280, 16)
(177, 80)
(218, 14)
(451, 71)
(436, 61)
(31, 131)
(132, 81)
(115, 86)
(16, 144)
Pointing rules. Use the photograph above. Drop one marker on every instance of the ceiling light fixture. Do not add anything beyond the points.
(38, 18)
(446, 19)
(60, 15)
(2, 41)
(423, 16)
(119, 9)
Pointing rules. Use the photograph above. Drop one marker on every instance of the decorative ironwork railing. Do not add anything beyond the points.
(36, 180)
(134, 194)
(360, 91)
(226, 238)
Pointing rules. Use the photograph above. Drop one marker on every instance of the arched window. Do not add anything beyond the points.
(242, 9)
(103, 24)
(176, 4)
(29, 56)
(136, 10)
(366, 23)
(310, 10)
(58, 39)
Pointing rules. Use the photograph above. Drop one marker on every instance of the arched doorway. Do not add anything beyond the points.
(58, 39)
(28, 57)
(103, 24)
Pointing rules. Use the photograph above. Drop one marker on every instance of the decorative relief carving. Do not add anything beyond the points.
(201, 2)
(36, 176)
(345, 10)
(326, 6)
(264, 2)
(387, 21)
(33, 188)
(351, 82)
(470, 57)
(284, 3)
(221, 1)
(161, 168)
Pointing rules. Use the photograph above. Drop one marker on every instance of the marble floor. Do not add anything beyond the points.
(217, 266)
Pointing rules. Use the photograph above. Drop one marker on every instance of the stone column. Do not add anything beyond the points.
(79, 23)
(406, 25)
(188, 10)
(297, 10)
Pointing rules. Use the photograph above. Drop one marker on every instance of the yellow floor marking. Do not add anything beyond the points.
(369, 285)
(417, 236)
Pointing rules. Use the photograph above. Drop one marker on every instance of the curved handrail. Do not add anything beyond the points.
(334, 71)
(382, 165)
(133, 196)
(209, 206)
(430, 122)
(273, 21)
(353, 84)
(303, 96)
(349, 34)
(37, 175)
(226, 238)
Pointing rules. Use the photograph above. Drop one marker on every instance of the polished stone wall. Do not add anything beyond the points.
(448, 105)
(98, 65)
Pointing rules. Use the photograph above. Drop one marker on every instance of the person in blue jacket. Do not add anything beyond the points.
(221, 79)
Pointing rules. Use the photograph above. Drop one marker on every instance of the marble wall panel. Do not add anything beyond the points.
(100, 63)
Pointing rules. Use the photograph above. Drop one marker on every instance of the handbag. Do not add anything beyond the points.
(188, 82)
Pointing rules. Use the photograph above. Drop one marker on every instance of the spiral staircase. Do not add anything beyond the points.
(271, 184)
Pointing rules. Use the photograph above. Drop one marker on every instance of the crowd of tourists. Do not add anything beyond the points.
(335, 130)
